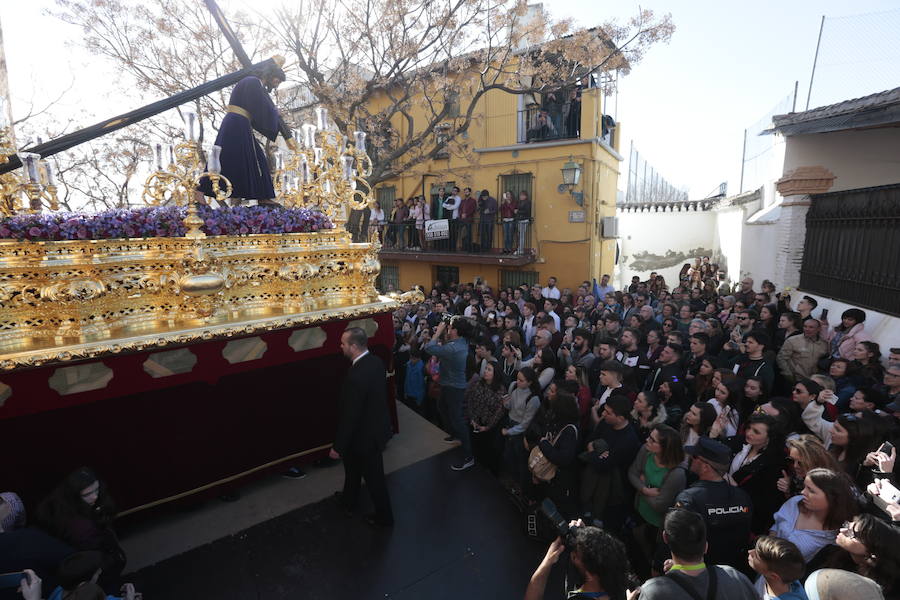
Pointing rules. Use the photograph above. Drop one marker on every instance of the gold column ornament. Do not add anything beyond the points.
(324, 171)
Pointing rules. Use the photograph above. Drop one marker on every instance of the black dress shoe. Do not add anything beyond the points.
(377, 523)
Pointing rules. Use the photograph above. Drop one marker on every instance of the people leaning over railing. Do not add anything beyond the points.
(472, 224)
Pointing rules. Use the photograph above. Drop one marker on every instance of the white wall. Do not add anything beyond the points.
(859, 159)
(758, 245)
(661, 233)
(729, 222)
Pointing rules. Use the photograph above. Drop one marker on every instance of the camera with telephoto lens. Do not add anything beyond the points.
(446, 318)
(560, 523)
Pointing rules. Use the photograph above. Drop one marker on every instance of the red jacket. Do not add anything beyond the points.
(507, 210)
(467, 209)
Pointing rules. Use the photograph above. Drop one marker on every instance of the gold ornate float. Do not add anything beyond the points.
(71, 300)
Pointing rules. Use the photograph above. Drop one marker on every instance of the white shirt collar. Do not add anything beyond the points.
(356, 360)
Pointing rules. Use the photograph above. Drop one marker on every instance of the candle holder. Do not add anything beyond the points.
(35, 182)
(325, 172)
(178, 181)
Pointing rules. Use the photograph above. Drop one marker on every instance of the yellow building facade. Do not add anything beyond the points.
(566, 238)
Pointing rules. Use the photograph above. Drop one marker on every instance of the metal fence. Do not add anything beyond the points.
(852, 248)
(490, 237)
(645, 185)
(536, 124)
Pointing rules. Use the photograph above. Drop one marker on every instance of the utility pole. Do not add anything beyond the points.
(815, 60)
(743, 162)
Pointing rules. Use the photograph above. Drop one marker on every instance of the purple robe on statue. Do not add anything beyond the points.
(243, 159)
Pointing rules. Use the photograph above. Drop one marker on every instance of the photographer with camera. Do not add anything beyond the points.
(599, 558)
(451, 348)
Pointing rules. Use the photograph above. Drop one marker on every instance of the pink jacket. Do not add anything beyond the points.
(848, 341)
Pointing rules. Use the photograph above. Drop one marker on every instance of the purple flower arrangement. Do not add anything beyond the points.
(161, 221)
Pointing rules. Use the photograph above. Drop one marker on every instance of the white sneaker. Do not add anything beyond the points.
(466, 464)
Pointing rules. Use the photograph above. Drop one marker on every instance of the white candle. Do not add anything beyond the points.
(30, 163)
(4, 120)
(190, 124)
(213, 164)
(317, 156)
(171, 153)
(159, 157)
(348, 162)
(360, 141)
(326, 187)
(304, 170)
(309, 135)
(48, 171)
(322, 117)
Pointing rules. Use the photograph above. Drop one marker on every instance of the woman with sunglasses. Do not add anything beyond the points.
(869, 546)
(805, 453)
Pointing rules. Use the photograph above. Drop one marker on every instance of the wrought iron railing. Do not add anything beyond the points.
(557, 122)
(492, 237)
(852, 247)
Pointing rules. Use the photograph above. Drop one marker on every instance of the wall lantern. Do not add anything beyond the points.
(571, 174)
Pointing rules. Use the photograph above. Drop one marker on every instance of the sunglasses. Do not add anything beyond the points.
(847, 530)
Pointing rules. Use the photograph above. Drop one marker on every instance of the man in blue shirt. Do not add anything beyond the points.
(452, 351)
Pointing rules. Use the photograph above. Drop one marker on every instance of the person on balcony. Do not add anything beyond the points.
(487, 210)
(543, 128)
(451, 213)
(572, 114)
(424, 214)
(523, 217)
(467, 209)
(508, 218)
(413, 217)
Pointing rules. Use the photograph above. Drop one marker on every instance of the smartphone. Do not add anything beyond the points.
(888, 492)
(11, 580)
(886, 447)
(824, 315)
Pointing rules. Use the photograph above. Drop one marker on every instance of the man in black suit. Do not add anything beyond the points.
(362, 429)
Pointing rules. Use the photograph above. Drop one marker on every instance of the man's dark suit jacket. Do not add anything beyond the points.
(364, 421)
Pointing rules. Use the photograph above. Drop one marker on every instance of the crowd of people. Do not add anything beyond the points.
(773, 425)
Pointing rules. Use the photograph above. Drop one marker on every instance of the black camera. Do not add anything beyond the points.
(559, 523)
(446, 318)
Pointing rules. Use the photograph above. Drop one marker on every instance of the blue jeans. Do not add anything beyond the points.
(509, 232)
(451, 409)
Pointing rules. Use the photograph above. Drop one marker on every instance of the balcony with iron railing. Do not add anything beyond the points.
(488, 241)
(552, 122)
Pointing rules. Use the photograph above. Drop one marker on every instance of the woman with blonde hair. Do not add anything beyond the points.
(805, 452)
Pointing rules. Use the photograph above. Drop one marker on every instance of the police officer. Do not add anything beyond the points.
(725, 508)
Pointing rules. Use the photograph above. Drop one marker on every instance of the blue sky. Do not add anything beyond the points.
(685, 106)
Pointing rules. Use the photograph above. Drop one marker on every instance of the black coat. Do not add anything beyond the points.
(364, 422)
